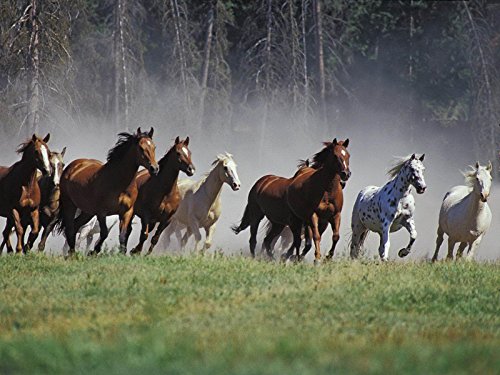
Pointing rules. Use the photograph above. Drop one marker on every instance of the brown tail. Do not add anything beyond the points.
(244, 223)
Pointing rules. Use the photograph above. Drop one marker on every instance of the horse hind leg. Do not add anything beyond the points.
(6, 235)
(359, 233)
(461, 249)
(451, 245)
(273, 232)
(254, 228)
(439, 241)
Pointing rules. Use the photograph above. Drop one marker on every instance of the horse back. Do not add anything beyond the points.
(269, 194)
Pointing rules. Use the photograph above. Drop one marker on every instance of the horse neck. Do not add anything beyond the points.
(212, 185)
(399, 187)
(122, 171)
(323, 179)
(168, 175)
(25, 170)
(475, 204)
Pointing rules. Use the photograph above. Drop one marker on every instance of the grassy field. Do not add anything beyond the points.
(182, 315)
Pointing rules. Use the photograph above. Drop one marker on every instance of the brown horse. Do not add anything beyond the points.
(159, 195)
(101, 190)
(293, 201)
(19, 191)
(50, 193)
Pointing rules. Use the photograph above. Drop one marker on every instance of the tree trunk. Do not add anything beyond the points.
(206, 59)
(180, 49)
(304, 64)
(33, 70)
(320, 58)
(121, 105)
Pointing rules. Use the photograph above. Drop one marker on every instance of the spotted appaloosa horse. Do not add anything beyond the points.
(388, 208)
(19, 191)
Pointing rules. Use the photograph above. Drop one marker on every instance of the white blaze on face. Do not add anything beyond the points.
(231, 166)
(57, 177)
(343, 152)
(185, 151)
(45, 157)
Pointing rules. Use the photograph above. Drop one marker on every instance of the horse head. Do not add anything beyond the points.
(414, 169)
(182, 156)
(57, 165)
(335, 156)
(227, 170)
(36, 149)
(146, 150)
(480, 178)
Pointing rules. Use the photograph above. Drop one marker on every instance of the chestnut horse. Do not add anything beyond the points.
(293, 201)
(101, 190)
(19, 191)
(159, 195)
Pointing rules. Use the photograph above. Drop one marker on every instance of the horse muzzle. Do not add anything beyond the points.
(345, 175)
(235, 186)
(484, 197)
(190, 170)
(421, 189)
(154, 169)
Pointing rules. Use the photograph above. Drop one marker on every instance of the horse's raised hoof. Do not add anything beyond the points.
(403, 252)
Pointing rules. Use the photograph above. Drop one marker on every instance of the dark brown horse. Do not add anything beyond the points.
(101, 190)
(19, 191)
(293, 201)
(159, 195)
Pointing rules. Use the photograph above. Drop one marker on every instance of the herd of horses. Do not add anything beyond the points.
(39, 192)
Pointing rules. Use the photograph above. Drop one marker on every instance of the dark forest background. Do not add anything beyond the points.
(236, 68)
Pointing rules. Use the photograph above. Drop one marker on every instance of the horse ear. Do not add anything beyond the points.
(186, 142)
(489, 167)
(177, 140)
(413, 157)
(139, 131)
(334, 141)
(151, 132)
(477, 165)
(346, 143)
(63, 151)
(422, 157)
(47, 137)
(33, 138)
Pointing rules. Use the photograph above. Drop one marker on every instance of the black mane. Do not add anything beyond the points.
(125, 141)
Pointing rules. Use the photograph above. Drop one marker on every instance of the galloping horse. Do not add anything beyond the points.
(465, 216)
(386, 209)
(201, 204)
(49, 203)
(292, 201)
(101, 190)
(19, 191)
(159, 196)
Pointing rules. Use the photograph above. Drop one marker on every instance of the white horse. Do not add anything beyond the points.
(200, 206)
(87, 232)
(388, 208)
(465, 216)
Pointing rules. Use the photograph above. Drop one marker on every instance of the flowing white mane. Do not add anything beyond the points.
(225, 157)
(398, 164)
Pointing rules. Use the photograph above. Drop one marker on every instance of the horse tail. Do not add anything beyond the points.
(59, 226)
(244, 223)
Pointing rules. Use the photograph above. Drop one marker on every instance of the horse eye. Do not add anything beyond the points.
(225, 168)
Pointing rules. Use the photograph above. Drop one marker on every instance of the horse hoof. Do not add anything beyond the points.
(317, 262)
(403, 252)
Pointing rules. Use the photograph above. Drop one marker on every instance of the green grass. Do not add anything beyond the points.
(182, 315)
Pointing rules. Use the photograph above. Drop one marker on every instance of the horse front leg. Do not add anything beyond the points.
(472, 248)
(45, 234)
(161, 227)
(410, 227)
(143, 236)
(194, 228)
(103, 234)
(209, 233)
(19, 231)
(125, 220)
(35, 228)
(316, 237)
(335, 224)
(385, 243)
